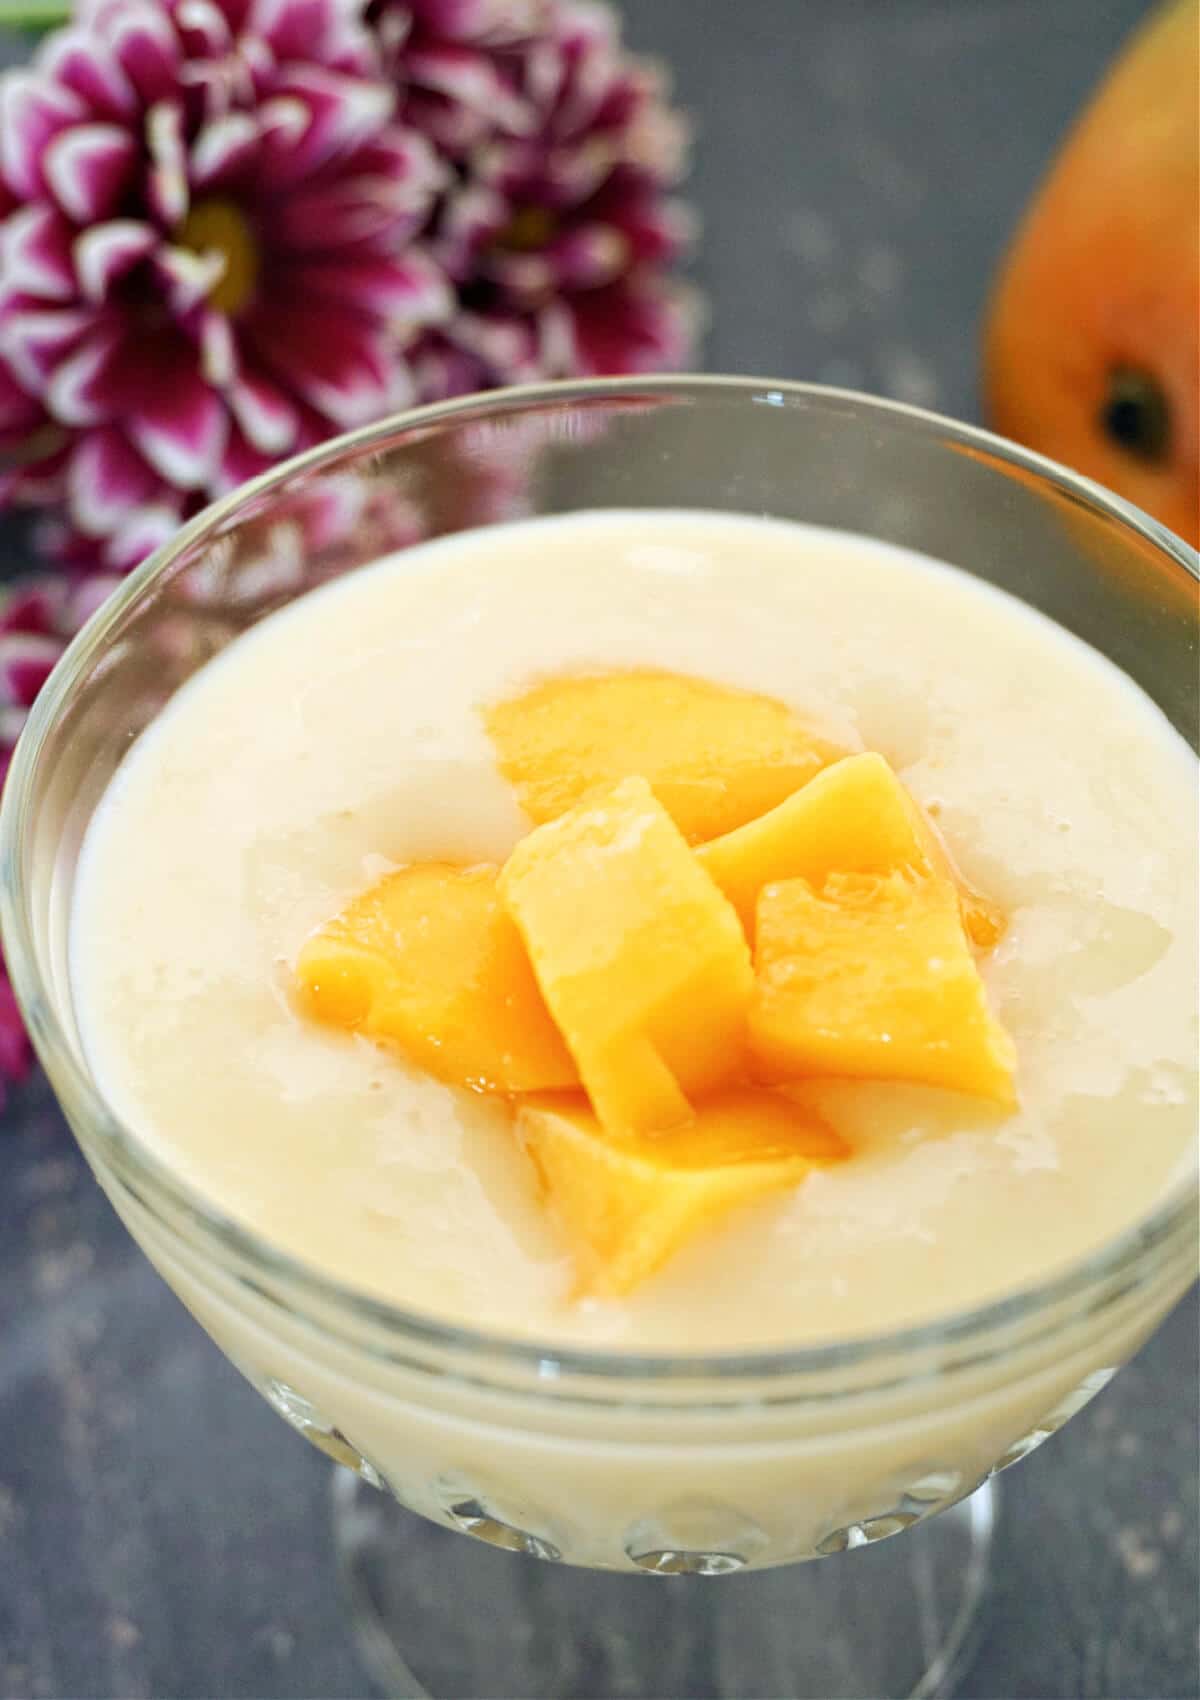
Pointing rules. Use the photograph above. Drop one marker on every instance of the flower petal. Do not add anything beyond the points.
(166, 180)
(33, 604)
(222, 148)
(35, 342)
(588, 46)
(502, 343)
(325, 30)
(560, 177)
(187, 277)
(381, 197)
(265, 416)
(405, 291)
(107, 251)
(479, 21)
(556, 341)
(442, 369)
(342, 112)
(119, 367)
(20, 413)
(346, 213)
(182, 430)
(472, 80)
(144, 43)
(633, 326)
(240, 461)
(588, 256)
(526, 278)
(218, 352)
(35, 254)
(87, 168)
(146, 530)
(656, 228)
(83, 389)
(467, 222)
(205, 29)
(106, 482)
(78, 59)
(282, 121)
(658, 138)
(26, 661)
(335, 360)
(32, 112)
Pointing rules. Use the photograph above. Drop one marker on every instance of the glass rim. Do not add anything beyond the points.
(1118, 1256)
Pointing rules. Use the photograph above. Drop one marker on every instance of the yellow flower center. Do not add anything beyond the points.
(219, 226)
(529, 229)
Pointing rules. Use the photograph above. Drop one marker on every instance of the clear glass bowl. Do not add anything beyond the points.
(681, 1464)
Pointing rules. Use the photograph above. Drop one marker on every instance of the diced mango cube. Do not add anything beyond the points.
(871, 975)
(627, 1206)
(714, 756)
(429, 960)
(641, 961)
(855, 817)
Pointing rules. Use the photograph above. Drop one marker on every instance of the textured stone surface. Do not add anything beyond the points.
(858, 169)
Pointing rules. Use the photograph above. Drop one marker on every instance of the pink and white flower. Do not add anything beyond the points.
(557, 225)
(211, 257)
(231, 228)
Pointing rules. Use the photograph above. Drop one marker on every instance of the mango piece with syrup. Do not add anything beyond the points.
(854, 817)
(641, 960)
(714, 756)
(428, 960)
(871, 975)
(627, 1206)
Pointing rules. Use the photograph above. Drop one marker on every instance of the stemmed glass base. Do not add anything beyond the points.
(439, 1616)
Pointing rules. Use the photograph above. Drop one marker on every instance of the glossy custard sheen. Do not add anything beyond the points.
(344, 736)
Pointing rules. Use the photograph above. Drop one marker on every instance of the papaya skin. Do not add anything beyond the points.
(1100, 289)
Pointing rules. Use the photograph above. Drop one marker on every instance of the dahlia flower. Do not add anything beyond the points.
(211, 257)
(230, 228)
(556, 225)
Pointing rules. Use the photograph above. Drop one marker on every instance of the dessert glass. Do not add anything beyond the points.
(601, 1469)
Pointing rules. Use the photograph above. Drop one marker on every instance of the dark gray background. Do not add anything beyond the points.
(858, 168)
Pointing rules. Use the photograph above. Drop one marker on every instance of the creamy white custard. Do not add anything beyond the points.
(343, 736)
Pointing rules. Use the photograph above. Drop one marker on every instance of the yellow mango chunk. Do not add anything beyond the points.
(642, 963)
(714, 756)
(855, 817)
(627, 1206)
(871, 975)
(429, 961)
